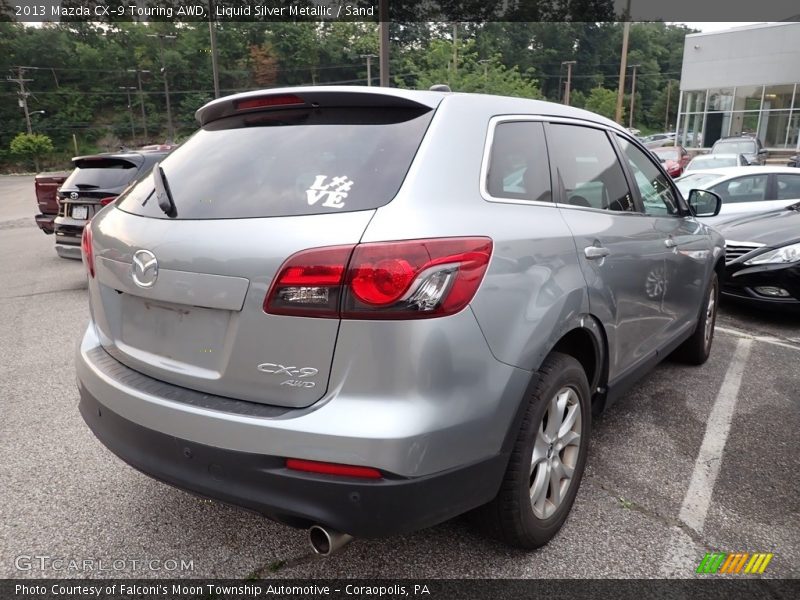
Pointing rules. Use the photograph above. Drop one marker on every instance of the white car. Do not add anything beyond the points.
(745, 189)
(705, 162)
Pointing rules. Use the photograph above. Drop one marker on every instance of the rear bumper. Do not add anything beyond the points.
(45, 222)
(441, 455)
(363, 508)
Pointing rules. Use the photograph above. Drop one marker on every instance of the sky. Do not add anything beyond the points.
(705, 27)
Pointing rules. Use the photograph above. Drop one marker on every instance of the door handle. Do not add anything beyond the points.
(670, 243)
(595, 252)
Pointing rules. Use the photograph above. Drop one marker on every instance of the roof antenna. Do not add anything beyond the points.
(440, 87)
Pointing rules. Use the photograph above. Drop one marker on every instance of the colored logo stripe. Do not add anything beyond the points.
(723, 562)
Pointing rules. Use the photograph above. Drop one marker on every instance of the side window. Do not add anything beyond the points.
(788, 186)
(751, 188)
(588, 169)
(518, 165)
(657, 195)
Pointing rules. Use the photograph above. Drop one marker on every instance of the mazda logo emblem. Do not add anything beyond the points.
(144, 269)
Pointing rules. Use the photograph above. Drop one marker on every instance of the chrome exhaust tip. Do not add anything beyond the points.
(326, 541)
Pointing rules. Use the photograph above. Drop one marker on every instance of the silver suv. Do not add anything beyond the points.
(368, 310)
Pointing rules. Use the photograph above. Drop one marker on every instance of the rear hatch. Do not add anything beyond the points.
(181, 297)
(97, 177)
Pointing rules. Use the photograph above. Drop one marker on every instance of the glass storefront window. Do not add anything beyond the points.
(771, 112)
(694, 101)
(794, 130)
(772, 130)
(744, 123)
(720, 99)
(748, 97)
(778, 97)
(690, 134)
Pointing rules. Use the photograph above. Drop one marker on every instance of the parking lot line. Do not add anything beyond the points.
(706, 467)
(697, 499)
(767, 339)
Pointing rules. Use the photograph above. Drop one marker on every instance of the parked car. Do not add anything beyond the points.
(748, 146)
(704, 162)
(46, 186)
(309, 310)
(763, 257)
(674, 159)
(794, 161)
(745, 190)
(95, 182)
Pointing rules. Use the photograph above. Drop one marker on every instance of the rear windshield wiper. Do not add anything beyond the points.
(163, 194)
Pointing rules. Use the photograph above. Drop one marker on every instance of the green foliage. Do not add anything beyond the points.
(81, 72)
(31, 145)
(470, 74)
(602, 101)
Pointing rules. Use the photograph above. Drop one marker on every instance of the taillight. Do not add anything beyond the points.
(309, 283)
(269, 101)
(86, 248)
(107, 201)
(386, 280)
(325, 468)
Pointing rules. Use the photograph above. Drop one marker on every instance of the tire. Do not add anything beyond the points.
(696, 349)
(516, 516)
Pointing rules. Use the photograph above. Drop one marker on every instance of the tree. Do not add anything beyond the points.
(264, 65)
(602, 101)
(31, 146)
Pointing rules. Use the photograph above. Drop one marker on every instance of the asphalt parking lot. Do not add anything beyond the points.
(692, 460)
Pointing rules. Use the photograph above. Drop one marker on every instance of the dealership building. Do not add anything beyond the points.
(744, 80)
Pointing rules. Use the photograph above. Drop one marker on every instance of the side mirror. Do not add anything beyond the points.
(704, 203)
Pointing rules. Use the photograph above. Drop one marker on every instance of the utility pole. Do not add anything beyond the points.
(383, 34)
(212, 34)
(161, 37)
(485, 62)
(569, 64)
(633, 95)
(369, 58)
(622, 63)
(455, 49)
(141, 99)
(130, 107)
(22, 95)
(666, 113)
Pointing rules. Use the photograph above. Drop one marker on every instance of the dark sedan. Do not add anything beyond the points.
(763, 258)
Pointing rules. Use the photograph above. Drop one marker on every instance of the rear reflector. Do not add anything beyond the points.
(387, 280)
(312, 466)
(268, 101)
(86, 248)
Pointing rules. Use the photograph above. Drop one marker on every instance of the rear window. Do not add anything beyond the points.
(286, 163)
(102, 174)
(735, 147)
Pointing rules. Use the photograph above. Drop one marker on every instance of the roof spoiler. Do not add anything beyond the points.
(315, 97)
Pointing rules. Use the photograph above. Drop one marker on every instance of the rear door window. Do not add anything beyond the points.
(587, 168)
(752, 188)
(788, 186)
(518, 164)
(290, 162)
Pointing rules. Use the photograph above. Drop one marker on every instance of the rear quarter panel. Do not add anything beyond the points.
(533, 291)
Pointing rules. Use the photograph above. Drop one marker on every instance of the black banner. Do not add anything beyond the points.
(403, 11)
(711, 588)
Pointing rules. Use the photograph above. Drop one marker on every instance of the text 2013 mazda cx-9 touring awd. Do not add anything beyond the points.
(367, 310)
